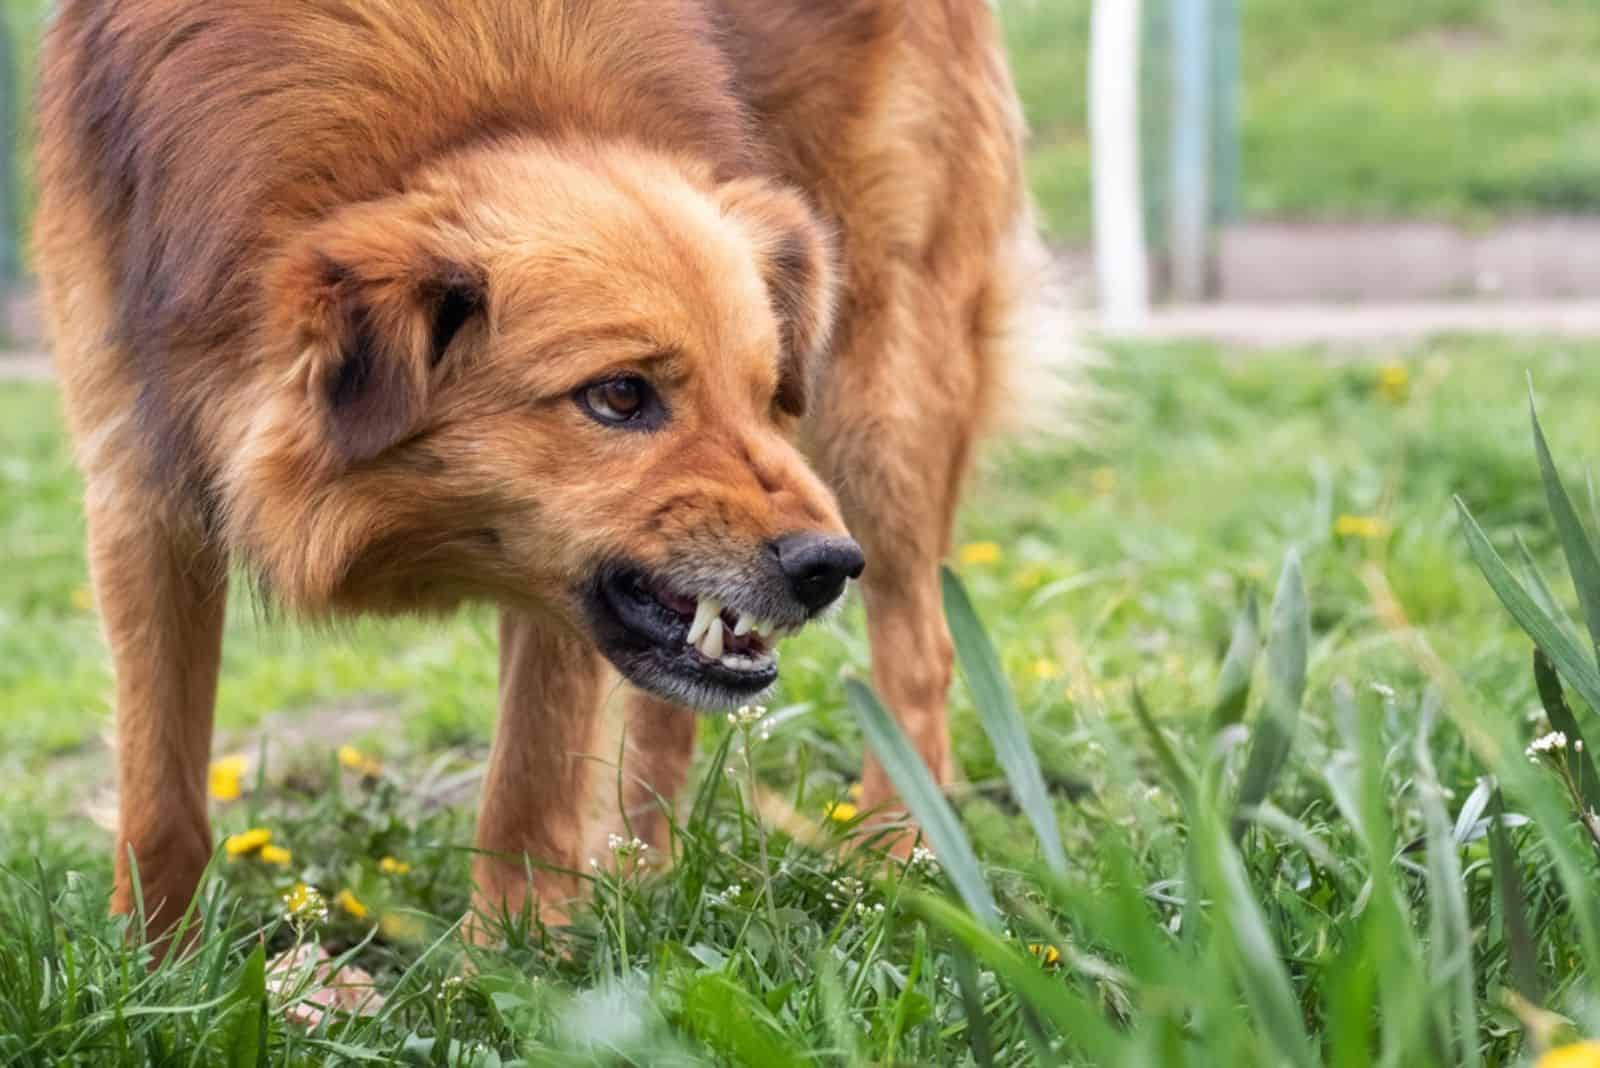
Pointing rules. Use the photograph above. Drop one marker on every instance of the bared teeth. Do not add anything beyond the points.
(711, 630)
(711, 644)
(708, 609)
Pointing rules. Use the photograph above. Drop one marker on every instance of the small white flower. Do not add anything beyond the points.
(748, 716)
(1546, 744)
(1578, 745)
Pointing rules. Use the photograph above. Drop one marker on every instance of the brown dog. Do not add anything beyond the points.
(397, 304)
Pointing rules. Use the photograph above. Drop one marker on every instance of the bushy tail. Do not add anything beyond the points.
(1039, 363)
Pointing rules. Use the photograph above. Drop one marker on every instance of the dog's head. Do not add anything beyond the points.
(565, 381)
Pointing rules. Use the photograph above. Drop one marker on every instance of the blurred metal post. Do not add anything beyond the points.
(1189, 207)
(1225, 112)
(10, 187)
(1119, 247)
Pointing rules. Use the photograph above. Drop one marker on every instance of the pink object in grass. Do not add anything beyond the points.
(306, 980)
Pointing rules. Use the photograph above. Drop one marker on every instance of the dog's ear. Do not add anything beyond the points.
(795, 258)
(376, 308)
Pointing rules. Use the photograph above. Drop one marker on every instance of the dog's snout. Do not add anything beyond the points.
(817, 566)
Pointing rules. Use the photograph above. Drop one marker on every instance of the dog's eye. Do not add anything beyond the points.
(621, 401)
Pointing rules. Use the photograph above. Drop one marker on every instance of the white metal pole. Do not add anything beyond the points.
(1189, 204)
(1119, 247)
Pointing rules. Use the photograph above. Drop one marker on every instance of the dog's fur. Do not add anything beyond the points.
(324, 275)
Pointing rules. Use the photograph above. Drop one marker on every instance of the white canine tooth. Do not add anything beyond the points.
(711, 645)
(708, 609)
(744, 626)
(765, 627)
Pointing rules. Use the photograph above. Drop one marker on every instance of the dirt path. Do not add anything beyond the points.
(1364, 325)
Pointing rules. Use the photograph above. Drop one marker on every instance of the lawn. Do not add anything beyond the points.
(1354, 925)
(1455, 109)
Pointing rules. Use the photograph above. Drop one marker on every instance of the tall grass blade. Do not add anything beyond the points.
(1537, 587)
(1072, 1015)
(1575, 543)
(1178, 770)
(1233, 681)
(1521, 955)
(247, 1044)
(978, 1034)
(1247, 941)
(1570, 661)
(924, 799)
(997, 711)
(1594, 497)
(1449, 926)
(1288, 643)
(1580, 761)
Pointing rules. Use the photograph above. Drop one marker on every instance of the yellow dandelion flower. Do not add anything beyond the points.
(227, 778)
(841, 811)
(1045, 952)
(358, 762)
(271, 854)
(1103, 480)
(83, 599)
(1030, 578)
(351, 904)
(400, 927)
(1370, 527)
(980, 553)
(304, 902)
(854, 793)
(245, 843)
(1577, 1055)
(1394, 382)
(392, 866)
(1046, 669)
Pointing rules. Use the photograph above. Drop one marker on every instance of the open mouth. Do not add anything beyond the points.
(686, 647)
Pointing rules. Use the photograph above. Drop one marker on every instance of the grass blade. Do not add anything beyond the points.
(997, 710)
(247, 1045)
(1233, 681)
(1533, 579)
(1072, 1015)
(1575, 543)
(1577, 669)
(978, 1036)
(1287, 648)
(1178, 770)
(1580, 762)
(1252, 955)
(1521, 955)
(1449, 926)
(924, 799)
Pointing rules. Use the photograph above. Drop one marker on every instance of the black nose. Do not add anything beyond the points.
(817, 566)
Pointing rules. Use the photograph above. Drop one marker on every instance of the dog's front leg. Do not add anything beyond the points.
(530, 829)
(161, 590)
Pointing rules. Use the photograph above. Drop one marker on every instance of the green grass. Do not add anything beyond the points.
(1455, 109)
(1111, 597)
